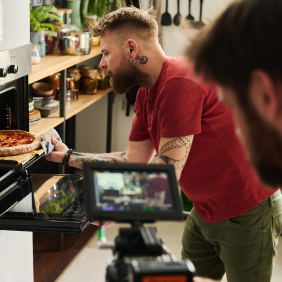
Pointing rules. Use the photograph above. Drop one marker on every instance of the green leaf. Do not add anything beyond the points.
(41, 14)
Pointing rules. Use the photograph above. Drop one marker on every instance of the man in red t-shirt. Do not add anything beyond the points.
(156, 190)
(177, 117)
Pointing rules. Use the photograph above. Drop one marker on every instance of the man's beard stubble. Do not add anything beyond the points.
(265, 148)
(126, 76)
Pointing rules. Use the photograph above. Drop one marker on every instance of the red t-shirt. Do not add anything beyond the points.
(217, 177)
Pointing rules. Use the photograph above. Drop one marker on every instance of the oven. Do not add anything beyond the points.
(29, 202)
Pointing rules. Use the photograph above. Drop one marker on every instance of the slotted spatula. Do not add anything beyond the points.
(166, 17)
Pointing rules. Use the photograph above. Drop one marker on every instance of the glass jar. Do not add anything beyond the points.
(35, 54)
(75, 74)
(82, 68)
(90, 81)
(103, 83)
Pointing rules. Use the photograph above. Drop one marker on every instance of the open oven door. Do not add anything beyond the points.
(42, 202)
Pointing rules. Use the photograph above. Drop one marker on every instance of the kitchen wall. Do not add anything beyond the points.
(175, 38)
(91, 123)
(16, 259)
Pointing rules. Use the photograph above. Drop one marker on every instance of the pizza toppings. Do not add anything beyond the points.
(15, 142)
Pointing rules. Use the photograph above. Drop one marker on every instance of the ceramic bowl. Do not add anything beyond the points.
(42, 89)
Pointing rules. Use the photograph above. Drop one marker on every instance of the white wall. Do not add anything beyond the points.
(175, 37)
(16, 259)
(14, 23)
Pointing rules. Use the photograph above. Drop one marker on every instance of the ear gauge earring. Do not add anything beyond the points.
(131, 61)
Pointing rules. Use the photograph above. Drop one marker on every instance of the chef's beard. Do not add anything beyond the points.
(126, 76)
(265, 149)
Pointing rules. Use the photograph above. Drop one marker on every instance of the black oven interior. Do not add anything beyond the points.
(52, 203)
(14, 105)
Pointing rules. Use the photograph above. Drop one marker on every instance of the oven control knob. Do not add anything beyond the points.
(3, 72)
(13, 69)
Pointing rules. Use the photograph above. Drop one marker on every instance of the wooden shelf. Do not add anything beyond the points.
(45, 124)
(72, 108)
(84, 101)
(56, 62)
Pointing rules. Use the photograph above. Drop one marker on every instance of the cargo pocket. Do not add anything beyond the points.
(276, 228)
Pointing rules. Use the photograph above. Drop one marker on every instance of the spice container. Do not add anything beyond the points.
(75, 74)
(35, 54)
(90, 81)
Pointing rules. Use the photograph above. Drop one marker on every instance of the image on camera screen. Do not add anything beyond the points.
(132, 190)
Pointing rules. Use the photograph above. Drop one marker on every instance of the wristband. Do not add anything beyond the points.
(67, 157)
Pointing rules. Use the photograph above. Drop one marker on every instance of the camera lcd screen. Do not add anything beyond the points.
(132, 190)
(135, 191)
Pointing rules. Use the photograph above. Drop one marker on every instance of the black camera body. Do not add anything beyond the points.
(136, 193)
(140, 257)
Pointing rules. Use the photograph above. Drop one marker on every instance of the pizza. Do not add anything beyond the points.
(16, 142)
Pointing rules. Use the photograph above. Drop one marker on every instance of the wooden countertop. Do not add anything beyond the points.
(56, 62)
(72, 108)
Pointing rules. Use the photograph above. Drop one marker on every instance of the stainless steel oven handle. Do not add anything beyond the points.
(8, 89)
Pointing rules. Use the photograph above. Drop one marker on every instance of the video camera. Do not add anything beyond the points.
(136, 193)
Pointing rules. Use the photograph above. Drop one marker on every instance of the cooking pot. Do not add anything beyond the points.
(73, 42)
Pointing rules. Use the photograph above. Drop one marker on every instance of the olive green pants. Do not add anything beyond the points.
(243, 247)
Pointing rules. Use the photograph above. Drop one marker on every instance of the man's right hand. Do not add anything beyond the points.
(59, 151)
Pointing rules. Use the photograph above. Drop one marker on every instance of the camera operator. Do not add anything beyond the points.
(241, 51)
(177, 117)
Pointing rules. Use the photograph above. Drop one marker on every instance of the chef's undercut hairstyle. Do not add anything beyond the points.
(127, 20)
(247, 36)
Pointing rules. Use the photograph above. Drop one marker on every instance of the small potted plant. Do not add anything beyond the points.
(99, 8)
(38, 24)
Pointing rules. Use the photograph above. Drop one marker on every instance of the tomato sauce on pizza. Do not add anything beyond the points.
(15, 142)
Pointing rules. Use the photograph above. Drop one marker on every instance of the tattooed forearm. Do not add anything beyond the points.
(118, 157)
(176, 151)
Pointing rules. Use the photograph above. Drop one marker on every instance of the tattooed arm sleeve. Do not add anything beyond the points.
(77, 159)
(175, 151)
(137, 152)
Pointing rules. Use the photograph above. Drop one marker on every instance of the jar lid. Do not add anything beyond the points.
(73, 70)
(92, 71)
(84, 67)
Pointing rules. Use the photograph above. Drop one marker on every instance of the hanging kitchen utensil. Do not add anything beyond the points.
(177, 18)
(166, 17)
(190, 18)
(200, 24)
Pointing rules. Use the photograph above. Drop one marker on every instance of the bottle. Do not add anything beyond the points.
(55, 81)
